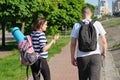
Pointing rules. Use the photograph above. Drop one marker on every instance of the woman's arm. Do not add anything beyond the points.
(50, 43)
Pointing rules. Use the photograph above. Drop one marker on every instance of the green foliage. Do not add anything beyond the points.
(105, 17)
(53, 30)
(117, 14)
(58, 12)
(67, 13)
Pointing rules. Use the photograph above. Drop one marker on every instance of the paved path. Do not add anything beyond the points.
(8, 37)
(61, 68)
(111, 72)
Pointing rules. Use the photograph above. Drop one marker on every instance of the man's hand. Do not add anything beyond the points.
(73, 61)
(104, 55)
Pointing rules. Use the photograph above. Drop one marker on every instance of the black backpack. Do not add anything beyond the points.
(87, 40)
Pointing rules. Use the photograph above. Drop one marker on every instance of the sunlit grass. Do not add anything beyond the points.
(10, 66)
(114, 22)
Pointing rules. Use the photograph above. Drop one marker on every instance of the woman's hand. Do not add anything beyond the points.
(50, 43)
(56, 37)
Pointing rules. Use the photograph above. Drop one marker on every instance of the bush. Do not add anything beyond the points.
(117, 14)
(52, 30)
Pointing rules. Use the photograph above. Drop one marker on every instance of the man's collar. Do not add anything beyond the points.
(87, 20)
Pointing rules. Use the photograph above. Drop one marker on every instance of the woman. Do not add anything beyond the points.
(41, 46)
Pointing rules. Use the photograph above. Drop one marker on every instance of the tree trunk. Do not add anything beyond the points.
(3, 35)
(23, 26)
(65, 31)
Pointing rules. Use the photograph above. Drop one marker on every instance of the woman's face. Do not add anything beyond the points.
(44, 26)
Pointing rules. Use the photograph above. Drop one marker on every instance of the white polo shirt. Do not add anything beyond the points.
(99, 30)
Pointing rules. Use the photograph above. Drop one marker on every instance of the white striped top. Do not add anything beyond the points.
(39, 41)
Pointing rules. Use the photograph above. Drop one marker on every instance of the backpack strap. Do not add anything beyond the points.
(30, 42)
(27, 72)
(93, 21)
(81, 22)
(29, 39)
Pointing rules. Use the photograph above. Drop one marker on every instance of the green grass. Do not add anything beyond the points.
(56, 48)
(114, 22)
(10, 66)
(116, 46)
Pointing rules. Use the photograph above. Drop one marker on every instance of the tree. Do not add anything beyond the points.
(6, 15)
(67, 12)
(16, 11)
(22, 13)
(13, 11)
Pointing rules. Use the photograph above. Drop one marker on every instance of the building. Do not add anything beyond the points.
(102, 8)
(116, 6)
(97, 12)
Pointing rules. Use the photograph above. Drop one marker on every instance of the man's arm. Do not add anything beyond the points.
(73, 48)
(104, 45)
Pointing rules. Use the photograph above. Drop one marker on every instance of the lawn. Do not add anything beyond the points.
(10, 66)
(113, 22)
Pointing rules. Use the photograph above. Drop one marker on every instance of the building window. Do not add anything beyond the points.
(102, 3)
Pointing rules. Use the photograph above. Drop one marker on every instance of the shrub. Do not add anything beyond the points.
(52, 30)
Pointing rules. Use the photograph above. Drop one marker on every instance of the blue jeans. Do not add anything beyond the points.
(40, 67)
(89, 67)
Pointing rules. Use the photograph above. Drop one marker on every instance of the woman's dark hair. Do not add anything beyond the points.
(38, 23)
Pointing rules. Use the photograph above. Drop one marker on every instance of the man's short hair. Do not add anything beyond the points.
(86, 10)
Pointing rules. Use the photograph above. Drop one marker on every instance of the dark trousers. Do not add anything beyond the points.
(40, 67)
(89, 67)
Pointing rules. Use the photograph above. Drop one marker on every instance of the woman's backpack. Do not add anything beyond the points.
(27, 53)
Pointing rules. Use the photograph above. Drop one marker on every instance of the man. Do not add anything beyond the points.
(88, 63)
